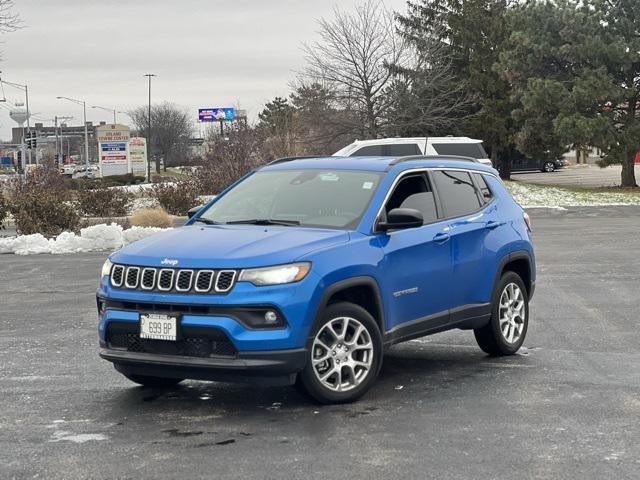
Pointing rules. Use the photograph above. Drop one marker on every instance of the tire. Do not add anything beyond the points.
(494, 338)
(358, 345)
(153, 382)
(548, 167)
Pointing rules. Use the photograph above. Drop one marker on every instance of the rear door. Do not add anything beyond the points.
(417, 261)
(473, 227)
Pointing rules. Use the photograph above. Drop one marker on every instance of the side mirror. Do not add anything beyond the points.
(194, 210)
(400, 218)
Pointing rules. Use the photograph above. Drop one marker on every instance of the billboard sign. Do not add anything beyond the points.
(138, 155)
(216, 114)
(113, 148)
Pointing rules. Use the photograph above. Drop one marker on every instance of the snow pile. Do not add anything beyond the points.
(530, 196)
(91, 239)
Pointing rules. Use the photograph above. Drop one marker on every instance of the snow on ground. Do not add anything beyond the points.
(91, 239)
(530, 196)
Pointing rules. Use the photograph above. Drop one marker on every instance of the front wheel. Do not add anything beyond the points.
(345, 356)
(548, 167)
(505, 332)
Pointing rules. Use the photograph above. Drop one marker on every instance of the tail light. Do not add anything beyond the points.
(527, 220)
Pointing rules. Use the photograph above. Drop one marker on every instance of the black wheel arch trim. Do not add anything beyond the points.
(510, 257)
(340, 285)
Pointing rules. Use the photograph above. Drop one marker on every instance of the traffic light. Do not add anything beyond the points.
(32, 140)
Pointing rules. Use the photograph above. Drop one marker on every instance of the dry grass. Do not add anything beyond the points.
(151, 217)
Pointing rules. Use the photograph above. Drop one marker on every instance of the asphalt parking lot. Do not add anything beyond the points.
(567, 407)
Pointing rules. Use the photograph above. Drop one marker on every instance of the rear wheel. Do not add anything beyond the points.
(345, 356)
(505, 332)
(548, 167)
(155, 382)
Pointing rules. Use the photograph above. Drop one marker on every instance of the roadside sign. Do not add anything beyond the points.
(216, 114)
(138, 155)
(113, 148)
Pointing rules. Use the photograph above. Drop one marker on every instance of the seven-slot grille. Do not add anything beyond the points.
(172, 279)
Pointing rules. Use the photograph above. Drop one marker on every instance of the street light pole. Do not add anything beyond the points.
(149, 151)
(86, 131)
(114, 109)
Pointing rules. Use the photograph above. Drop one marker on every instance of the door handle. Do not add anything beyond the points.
(491, 224)
(441, 237)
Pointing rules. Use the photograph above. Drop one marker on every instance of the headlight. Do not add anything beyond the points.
(277, 275)
(106, 268)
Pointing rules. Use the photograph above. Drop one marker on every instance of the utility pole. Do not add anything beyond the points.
(149, 151)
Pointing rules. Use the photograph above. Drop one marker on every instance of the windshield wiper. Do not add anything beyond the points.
(206, 220)
(265, 221)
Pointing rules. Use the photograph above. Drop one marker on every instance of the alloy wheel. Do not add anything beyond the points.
(512, 313)
(342, 354)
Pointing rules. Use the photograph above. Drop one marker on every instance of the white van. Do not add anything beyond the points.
(400, 147)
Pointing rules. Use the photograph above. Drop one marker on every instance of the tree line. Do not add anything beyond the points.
(533, 79)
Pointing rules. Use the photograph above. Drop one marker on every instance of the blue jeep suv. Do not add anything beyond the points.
(305, 270)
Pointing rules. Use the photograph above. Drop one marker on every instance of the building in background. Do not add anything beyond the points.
(71, 137)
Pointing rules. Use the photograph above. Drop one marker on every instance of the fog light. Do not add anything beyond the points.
(270, 316)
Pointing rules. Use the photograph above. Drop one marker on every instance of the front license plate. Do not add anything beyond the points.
(158, 327)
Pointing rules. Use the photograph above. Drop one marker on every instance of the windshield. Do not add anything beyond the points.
(313, 198)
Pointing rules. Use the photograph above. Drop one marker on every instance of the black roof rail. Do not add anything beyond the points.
(290, 159)
(432, 157)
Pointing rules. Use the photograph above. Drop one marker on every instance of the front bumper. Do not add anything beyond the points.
(275, 367)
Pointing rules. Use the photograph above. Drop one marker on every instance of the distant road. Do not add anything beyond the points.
(577, 176)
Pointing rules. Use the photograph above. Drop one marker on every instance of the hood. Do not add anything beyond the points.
(227, 246)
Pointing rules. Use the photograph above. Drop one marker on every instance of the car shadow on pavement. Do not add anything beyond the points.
(407, 369)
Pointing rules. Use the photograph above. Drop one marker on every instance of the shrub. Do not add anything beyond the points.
(4, 210)
(41, 210)
(151, 217)
(103, 202)
(176, 198)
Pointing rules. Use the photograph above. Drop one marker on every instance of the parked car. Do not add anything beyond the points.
(393, 147)
(306, 270)
(520, 163)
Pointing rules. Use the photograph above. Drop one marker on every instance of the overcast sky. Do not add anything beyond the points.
(205, 52)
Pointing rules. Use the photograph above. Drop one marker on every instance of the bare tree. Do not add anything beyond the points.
(426, 96)
(171, 129)
(9, 20)
(352, 59)
(228, 157)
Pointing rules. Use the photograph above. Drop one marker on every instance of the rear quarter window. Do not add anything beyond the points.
(485, 192)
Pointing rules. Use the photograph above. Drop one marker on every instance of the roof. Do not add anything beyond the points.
(392, 140)
(375, 164)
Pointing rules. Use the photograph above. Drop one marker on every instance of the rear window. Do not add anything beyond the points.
(473, 150)
(457, 192)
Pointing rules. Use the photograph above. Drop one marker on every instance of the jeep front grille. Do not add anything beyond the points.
(172, 279)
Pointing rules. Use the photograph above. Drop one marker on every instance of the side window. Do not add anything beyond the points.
(402, 150)
(485, 191)
(414, 192)
(368, 151)
(457, 192)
